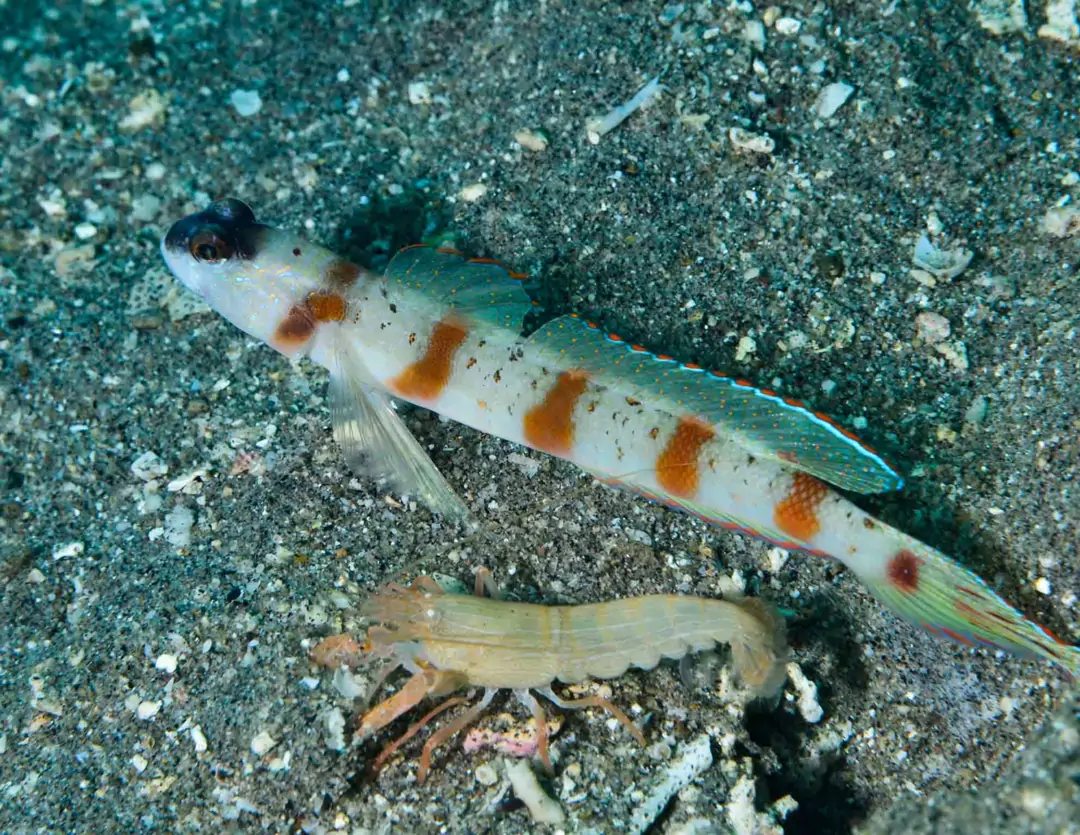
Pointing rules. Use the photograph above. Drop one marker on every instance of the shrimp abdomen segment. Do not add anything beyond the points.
(516, 645)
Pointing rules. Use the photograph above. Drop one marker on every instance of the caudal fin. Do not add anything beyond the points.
(944, 598)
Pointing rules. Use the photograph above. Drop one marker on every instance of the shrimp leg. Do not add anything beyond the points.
(594, 701)
(530, 701)
(443, 734)
(416, 727)
(485, 582)
(424, 682)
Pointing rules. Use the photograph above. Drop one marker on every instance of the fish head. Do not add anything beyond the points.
(271, 284)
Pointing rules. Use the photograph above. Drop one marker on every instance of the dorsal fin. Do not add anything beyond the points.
(476, 287)
(765, 423)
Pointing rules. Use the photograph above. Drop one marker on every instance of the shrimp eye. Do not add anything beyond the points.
(210, 247)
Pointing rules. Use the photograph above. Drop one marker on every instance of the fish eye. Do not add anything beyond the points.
(210, 247)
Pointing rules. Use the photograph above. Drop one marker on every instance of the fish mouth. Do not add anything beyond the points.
(222, 231)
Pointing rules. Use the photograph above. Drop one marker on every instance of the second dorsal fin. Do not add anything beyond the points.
(475, 287)
(765, 423)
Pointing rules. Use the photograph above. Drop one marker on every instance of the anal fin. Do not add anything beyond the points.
(727, 521)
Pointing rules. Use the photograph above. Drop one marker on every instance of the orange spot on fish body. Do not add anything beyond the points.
(426, 378)
(326, 307)
(903, 572)
(294, 330)
(549, 425)
(341, 274)
(797, 515)
(677, 469)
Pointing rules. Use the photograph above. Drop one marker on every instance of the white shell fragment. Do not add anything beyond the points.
(147, 710)
(178, 524)
(1061, 22)
(72, 549)
(262, 743)
(419, 92)
(246, 102)
(528, 790)
(146, 109)
(694, 757)
(942, 263)
(531, 140)
(595, 128)
(1062, 222)
(199, 738)
(334, 725)
(472, 193)
(759, 143)
(1001, 17)
(932, 327)
(346, 684)
(188, 483)
(149, 466)
(809, 707)
(788, 26)
(166, 662)
(832, 98)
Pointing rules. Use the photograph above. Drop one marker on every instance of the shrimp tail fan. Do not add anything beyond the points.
(760, 650)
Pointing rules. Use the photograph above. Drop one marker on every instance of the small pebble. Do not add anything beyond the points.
(1042, 586)
(832, 98)
(147, 710)
(262, 743)
(166, 663)
(976, 412)
(246, 102)
(787, 26)
(758, 142)
(85, 231)
(531, 140)
(472, 193)
(145, 209)
(746, 347)
(199, 738)
(932, 327)
(419, 92)
(486, 775)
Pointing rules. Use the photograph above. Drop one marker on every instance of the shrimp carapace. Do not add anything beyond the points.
(452, 641)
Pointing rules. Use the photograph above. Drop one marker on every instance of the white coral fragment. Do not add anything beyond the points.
(809, 707)
(527, 789)
(596, 128)
(694, 757)
(1062, 222)
(1001, 17)
(1061, 23)
(832, 97)
(941, 263)
(759, 143)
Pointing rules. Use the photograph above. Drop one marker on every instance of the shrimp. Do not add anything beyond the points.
(452, 641)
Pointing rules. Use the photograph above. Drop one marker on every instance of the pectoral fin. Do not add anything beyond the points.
(376, 443)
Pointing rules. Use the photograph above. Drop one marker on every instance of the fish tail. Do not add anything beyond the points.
(927, 588)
